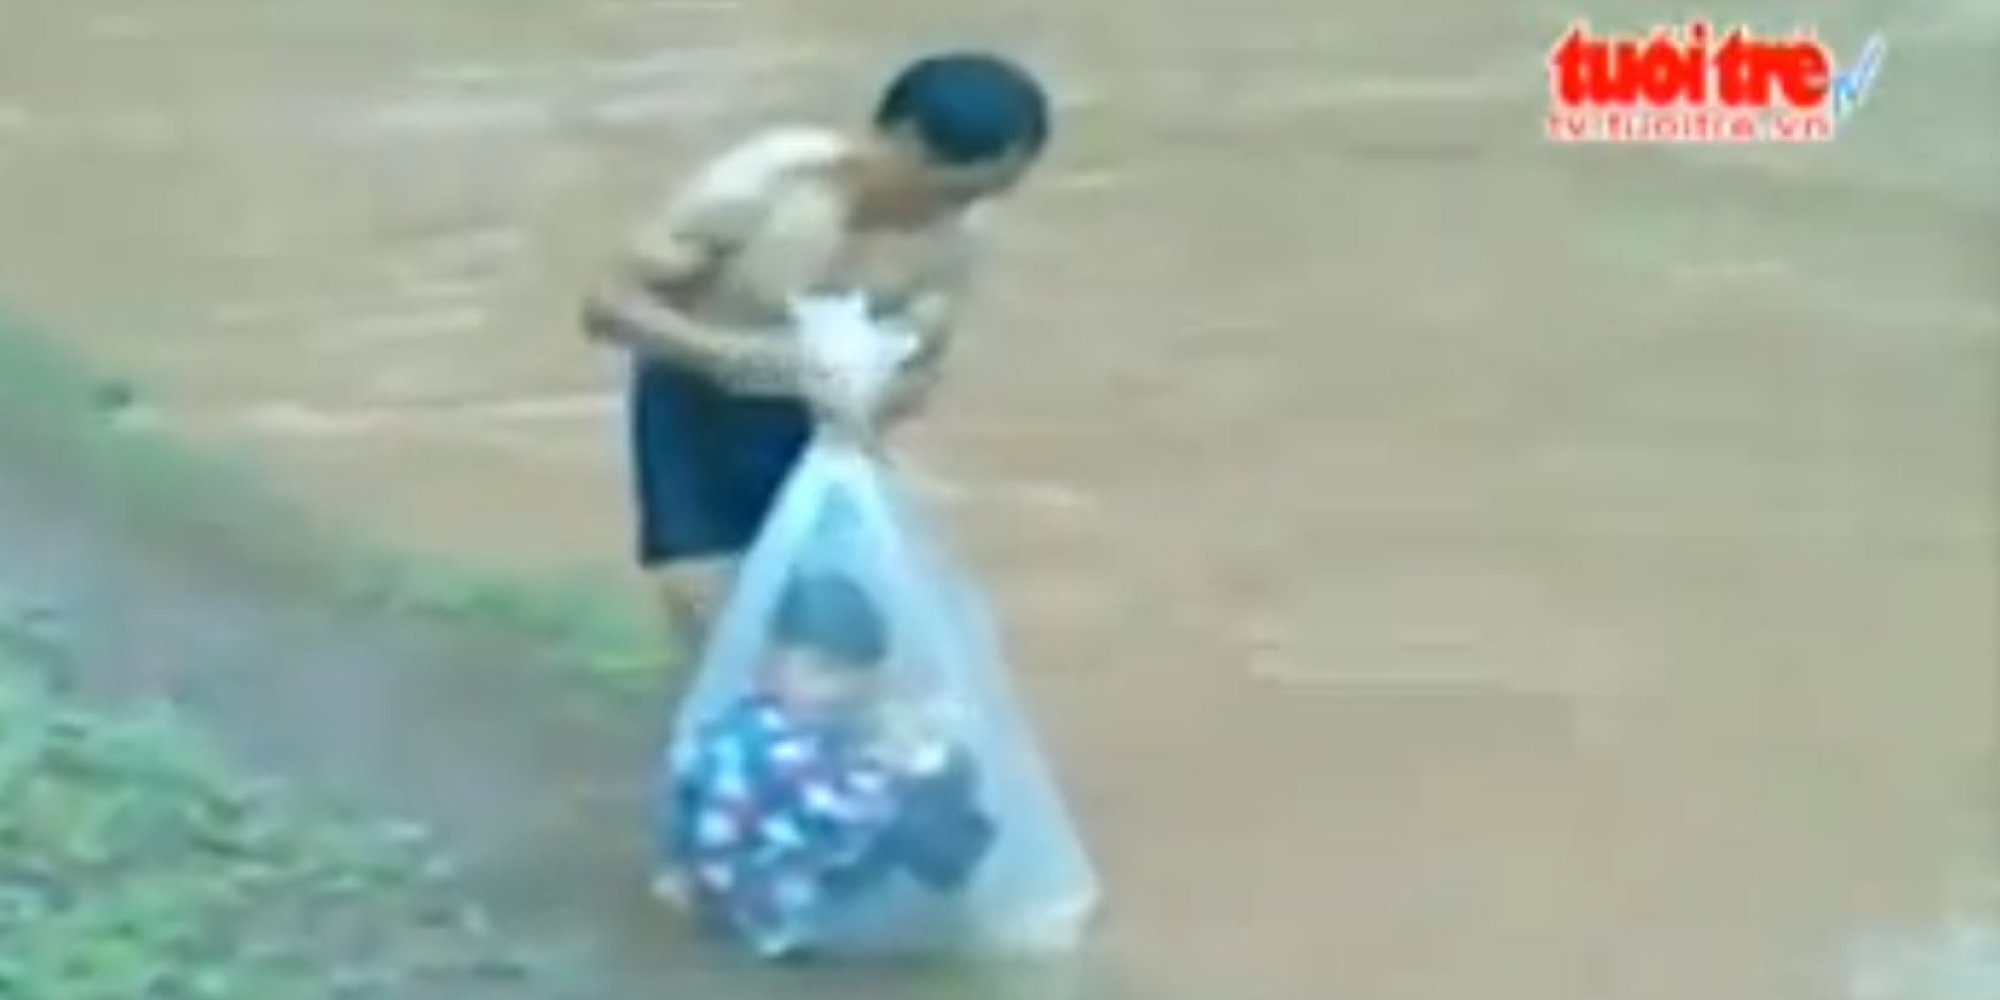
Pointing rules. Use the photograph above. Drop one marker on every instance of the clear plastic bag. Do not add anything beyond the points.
(918, 814)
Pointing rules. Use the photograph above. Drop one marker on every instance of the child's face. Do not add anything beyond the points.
(810, 682)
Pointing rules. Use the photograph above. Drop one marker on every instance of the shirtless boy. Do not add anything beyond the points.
(723, 399)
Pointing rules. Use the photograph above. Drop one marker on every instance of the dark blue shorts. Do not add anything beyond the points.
(706, 464)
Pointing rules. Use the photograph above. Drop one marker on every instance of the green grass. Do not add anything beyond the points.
(595, 626)
(136, 862)
(135, 859)
(56, 407)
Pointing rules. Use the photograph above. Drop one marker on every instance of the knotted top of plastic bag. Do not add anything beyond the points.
(841, 334)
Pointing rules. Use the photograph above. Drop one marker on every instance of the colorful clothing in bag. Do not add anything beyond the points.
(782, 821)
(776, 813)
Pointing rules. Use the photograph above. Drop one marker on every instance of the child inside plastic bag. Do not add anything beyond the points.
(821, 786)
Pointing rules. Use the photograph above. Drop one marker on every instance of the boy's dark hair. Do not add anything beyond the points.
(967, 107)
(831, 615)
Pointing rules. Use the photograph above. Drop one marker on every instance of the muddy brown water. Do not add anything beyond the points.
(1442, 566)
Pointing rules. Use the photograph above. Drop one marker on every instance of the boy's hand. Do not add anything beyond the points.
(907, 393)
(764, 366)
(767, 364)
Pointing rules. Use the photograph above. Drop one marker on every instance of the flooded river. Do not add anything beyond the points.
(1444, 566)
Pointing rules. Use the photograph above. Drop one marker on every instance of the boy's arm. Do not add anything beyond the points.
(642, 305)
(932, 317)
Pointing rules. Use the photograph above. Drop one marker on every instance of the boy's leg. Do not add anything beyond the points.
(706, 468)
(671, 435)
(690, 593)
(758, 444)
(686, 538)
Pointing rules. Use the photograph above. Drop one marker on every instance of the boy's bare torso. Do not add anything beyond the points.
(777, 202)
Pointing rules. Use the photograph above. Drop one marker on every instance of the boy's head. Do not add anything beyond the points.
(832, 640)
(959, 127)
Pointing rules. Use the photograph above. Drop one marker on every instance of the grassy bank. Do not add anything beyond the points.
(136, 862)
(62, 410)
(135, 859)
